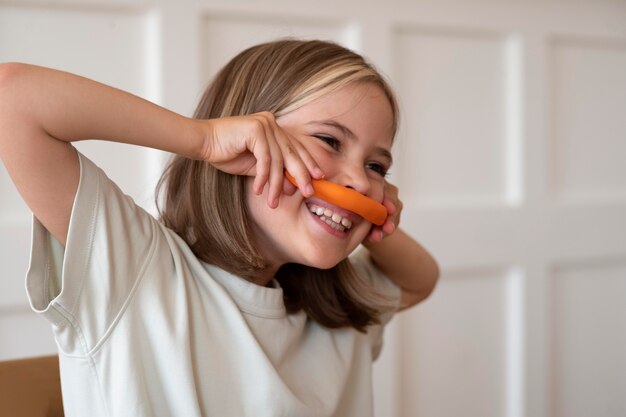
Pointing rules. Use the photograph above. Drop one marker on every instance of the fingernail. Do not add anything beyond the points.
(309, 190)
(317, 173)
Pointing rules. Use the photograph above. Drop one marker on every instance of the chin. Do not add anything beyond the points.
(321, 260)
(327, 264)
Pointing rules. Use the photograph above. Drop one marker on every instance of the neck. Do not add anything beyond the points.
(264, 277)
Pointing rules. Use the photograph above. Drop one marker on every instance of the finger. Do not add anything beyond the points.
(260, 150)
(304, 157)
(390, 198)
(276, 171)
(389, 227)
(393, 218)
(276, 163)
(389, 205)
(296, 168)
(375, 235)
(298, 162)
(311, 165)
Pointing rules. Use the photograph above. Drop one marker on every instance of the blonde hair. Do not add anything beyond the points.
(207, 207)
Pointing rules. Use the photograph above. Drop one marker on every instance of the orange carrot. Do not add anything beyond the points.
(347, 198)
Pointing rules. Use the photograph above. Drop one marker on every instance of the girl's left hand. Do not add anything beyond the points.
(394, 208)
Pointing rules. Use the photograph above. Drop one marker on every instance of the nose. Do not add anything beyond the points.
(354, 176)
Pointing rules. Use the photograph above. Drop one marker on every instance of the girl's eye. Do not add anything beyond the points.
(330, 141)
(377, 168)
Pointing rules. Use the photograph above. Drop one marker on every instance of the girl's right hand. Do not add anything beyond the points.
(255, 145)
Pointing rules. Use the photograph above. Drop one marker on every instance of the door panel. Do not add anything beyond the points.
(510, 161)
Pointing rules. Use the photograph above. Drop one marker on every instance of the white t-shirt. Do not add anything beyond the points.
(146, 329)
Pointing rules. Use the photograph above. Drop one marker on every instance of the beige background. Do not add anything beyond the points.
(511, 161)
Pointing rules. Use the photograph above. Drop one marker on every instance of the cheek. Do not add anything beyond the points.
(253, 201)
(323, 159)
(261, 213)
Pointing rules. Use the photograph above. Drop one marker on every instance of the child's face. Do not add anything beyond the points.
(349, 134)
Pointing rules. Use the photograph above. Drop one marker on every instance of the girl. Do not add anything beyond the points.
(241, 299)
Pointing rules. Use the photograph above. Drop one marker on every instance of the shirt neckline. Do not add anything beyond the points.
(251, 298)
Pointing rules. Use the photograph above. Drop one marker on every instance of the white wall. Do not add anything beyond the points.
(511, 162)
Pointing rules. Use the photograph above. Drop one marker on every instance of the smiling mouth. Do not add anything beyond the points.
(332, 219)
(347, 198)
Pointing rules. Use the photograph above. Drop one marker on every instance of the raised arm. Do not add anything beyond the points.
(400, 257)
(43, 110)
(408, 264)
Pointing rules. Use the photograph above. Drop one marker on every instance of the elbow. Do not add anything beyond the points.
(434, 278)
(12, 102)
(13, 77)
(436, 273)
(9, 72)
(430, 282)
(428, 279)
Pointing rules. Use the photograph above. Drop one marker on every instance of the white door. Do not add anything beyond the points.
(511, 161)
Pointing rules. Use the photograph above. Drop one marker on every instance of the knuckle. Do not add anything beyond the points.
(266, 117)
(258, 127)
(264, 158)
(290, 149)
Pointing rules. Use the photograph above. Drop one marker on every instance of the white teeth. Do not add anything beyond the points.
(333, 224)
(334, 220)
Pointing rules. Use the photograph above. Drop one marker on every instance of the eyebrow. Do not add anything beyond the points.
(347, 132)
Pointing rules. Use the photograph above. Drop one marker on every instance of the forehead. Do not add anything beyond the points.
(364, 109)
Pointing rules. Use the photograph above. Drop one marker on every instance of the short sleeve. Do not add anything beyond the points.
(82, 288)
(363, 264)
